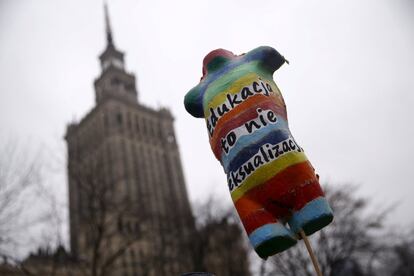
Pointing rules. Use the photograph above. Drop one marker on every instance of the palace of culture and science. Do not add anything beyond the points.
(130, 151)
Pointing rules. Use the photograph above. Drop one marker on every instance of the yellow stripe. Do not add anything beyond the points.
(233, 89)
(236, 87)
(266, 172)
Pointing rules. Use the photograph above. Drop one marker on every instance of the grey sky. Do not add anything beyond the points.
(349, 86)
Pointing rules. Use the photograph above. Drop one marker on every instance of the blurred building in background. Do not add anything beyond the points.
(129, 207)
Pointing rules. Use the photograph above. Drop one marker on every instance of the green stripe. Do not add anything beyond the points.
(223, 83)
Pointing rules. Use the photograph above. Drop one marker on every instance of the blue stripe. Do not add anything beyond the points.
(267, 232)
(273, 137)
(250, 139)
(311, 213)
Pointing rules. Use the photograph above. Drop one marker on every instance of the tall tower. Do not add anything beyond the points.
(128, 202)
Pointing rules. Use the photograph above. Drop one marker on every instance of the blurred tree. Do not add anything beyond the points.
(105, 230)
(397, 257)
(403, 264)
(111, 226)
(346, 247)
(19, 172)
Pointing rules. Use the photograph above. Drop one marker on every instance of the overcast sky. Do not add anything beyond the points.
(349, 86)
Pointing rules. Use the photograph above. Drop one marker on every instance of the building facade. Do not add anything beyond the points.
(129, 209)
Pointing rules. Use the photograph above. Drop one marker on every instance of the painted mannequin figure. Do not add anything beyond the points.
(272, 184)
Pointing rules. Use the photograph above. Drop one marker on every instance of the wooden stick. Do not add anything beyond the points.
(310, 251)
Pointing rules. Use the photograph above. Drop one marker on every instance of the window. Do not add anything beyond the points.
(144, 126)
(120, 225)
(119, 118)
(137, 123)
(105, 121)
(129, 121)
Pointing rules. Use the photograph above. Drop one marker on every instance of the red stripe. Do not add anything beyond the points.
(257, 219)
(288, 191)
(307, 194)
(213, 54)
(281, 190)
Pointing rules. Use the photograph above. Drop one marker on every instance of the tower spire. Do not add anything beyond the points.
(110, 57)
(108, 29)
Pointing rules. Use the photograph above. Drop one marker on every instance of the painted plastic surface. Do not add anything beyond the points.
(272, 183)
